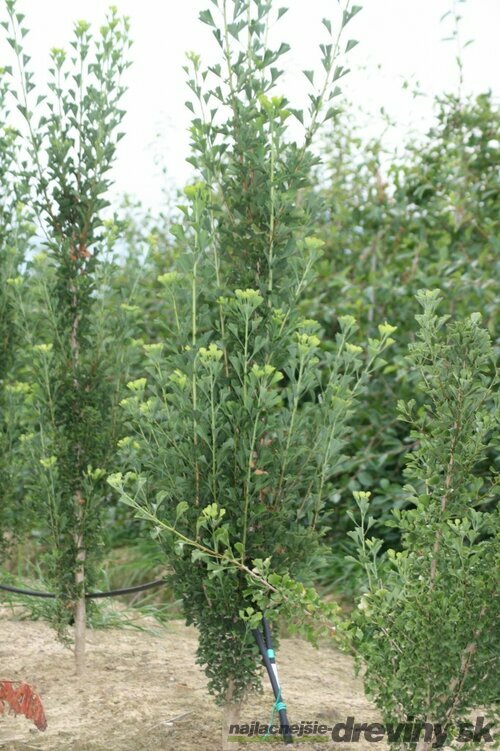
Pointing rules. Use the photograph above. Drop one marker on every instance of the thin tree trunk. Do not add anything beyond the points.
(231, 717)
(80, 605)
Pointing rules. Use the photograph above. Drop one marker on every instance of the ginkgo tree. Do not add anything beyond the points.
(238, 424)
(70, 132)
(16, 232)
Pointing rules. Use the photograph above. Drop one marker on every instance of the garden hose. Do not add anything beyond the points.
(265, 644)
(89, 595)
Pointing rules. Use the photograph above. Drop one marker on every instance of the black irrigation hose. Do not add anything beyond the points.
(89, 595)
(265, 645)
(264, 642)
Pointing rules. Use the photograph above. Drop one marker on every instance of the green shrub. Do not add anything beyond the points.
(426, 627)
(391, 226)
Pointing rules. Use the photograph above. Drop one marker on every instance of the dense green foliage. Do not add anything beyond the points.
(246, 390)
(429, 219)
(428, 623)
(229, 368)
(16, 232)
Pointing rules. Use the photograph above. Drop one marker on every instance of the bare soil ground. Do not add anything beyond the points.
(137, 681)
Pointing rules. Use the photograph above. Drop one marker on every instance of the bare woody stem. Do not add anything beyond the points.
(80, 605)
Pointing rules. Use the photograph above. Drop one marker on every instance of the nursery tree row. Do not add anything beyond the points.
(287, 381)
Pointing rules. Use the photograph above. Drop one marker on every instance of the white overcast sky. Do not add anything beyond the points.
(403, 37)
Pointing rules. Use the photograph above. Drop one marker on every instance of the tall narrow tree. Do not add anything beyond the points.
(70, 142)
(15, 234)
(235, 436)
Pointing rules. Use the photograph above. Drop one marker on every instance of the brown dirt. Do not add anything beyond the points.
(137, 681)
